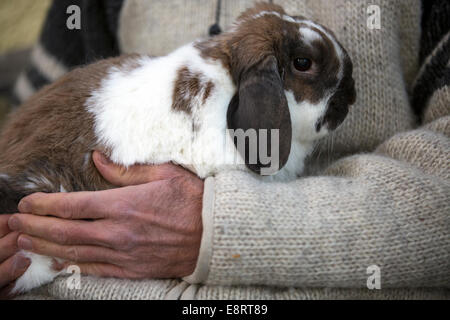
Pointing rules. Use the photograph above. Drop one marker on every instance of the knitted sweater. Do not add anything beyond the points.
(377, 191)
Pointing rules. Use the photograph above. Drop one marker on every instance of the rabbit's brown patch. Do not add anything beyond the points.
(188, 86)
(208, 89)
(50, 137)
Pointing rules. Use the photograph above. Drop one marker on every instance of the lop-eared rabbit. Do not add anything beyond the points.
(282, 76)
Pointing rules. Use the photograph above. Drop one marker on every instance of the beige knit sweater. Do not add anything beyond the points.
(314, 238)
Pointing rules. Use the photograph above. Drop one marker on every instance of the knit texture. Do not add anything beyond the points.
(115, 289)
(388, 209)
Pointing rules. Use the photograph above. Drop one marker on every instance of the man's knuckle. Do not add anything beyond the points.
(105, 237)
(123, 208)
(66, 208)
(72, 253)
(59, 233)
(35, 199)
(117, 242)
(141, 239)
(125, 258)
(126, 241)
(84, 205)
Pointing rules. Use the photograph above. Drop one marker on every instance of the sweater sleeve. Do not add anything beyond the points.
(389, 209)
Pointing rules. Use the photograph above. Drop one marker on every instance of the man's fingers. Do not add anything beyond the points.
(8, 246)
(63, 231)
(13, 268)
(134, 175)
(4, 229)
(77, 253)
(5, 293)
(74, 205)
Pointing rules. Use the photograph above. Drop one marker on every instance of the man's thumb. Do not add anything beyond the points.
(133, 175)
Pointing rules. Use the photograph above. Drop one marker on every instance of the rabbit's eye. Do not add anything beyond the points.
(302, 64)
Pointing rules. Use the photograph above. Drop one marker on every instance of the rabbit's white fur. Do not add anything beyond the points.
(38, 273)
(136, 112)
(128, 120)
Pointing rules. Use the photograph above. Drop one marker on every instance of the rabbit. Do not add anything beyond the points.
(284, 80)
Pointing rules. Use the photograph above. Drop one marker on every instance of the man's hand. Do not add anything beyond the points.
(149, 228)
(12, 263)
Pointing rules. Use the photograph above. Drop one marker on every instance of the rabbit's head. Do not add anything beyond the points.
(291, 74)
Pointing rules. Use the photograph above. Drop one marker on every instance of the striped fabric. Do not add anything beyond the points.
(61, 49)
(434, 73)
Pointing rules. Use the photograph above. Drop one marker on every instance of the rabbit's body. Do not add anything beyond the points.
(137, 125)
(179, 108)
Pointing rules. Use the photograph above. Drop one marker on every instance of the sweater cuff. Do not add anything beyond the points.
(202, 269)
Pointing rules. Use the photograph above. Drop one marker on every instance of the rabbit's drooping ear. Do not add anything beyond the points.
(260, 103)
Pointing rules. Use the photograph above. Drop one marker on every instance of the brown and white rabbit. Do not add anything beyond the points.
(269, 71)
